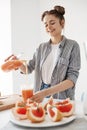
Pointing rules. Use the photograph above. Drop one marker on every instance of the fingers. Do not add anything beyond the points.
(11, 65)
(11, 57)
(8, 58)
(37, 98)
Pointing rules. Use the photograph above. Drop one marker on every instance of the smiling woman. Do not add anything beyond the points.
(5, 40)
(26, 30)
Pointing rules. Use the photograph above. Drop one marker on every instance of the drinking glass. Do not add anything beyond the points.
(26, 91)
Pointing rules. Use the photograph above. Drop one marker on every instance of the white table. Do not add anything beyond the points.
(5, 115)
(4, 118)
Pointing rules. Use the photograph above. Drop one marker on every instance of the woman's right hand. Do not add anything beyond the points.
(11, 63)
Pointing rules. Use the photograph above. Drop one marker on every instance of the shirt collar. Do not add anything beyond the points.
(61, 44)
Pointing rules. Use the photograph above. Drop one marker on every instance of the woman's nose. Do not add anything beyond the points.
(49, 28)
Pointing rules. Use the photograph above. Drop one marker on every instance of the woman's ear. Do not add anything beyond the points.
(62, 23)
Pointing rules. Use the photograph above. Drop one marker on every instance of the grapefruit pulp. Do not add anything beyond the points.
(53, 113)
(36, 113)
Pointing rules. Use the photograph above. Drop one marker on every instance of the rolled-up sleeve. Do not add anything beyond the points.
(74, 64)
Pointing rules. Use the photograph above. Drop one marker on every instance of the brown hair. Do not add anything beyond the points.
(58, 12)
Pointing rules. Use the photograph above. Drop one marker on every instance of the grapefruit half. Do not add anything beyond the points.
(53, 113)
(36, 113)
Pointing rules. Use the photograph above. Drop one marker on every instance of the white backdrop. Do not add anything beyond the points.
(28, 32)
(5, 45)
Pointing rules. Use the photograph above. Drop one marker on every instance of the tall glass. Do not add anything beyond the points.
(26, 88)
(27, 92)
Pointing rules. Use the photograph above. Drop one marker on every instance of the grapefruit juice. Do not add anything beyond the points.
(27, 93)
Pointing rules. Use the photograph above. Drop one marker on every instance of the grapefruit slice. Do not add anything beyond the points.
(54, 113)
(50, 101)
(17, 115)
(21, 110)
(36, 113)
(66, 107)
(62, 102)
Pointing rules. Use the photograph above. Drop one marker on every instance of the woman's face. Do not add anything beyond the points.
(52, 25)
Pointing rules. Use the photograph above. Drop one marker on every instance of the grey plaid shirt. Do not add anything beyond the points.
(67, 66)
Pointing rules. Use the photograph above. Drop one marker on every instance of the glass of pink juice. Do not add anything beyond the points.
(27, 92)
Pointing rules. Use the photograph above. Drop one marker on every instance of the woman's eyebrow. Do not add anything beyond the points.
(50, 21)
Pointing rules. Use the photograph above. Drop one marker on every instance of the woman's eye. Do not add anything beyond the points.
(52, 23)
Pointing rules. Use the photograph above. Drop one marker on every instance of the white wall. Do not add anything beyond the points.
(5, 45)
(25, 34)
(28, 32)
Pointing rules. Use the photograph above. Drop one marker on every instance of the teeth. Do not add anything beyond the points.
(50, 31)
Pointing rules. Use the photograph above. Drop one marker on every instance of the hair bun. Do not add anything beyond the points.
(60, 9)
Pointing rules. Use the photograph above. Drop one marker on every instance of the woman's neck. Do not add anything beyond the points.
(56, 40)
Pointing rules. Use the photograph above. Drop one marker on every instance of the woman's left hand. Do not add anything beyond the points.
(38, 96)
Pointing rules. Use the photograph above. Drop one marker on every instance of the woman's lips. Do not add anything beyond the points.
(51, 31)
